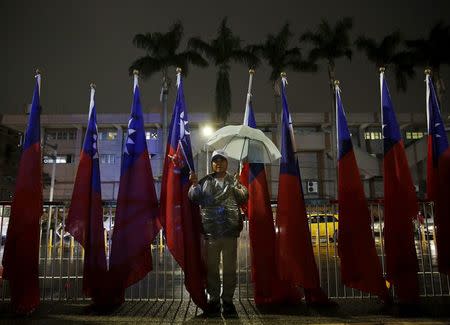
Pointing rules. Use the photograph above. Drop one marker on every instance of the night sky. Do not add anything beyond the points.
(78, 42)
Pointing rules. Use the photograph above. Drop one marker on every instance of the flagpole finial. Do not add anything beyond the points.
(178, 70)
(382, 69)
(283, 75)
(92, 85)
(251, 71)
(427, 71)
(136, 72)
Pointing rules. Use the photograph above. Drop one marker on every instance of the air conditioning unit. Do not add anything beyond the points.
(312, 187)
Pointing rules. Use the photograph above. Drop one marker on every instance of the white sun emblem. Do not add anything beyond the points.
(183, 126)
(129, 146)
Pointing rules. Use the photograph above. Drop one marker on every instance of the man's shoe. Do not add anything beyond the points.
(229, 309)
(213, 308)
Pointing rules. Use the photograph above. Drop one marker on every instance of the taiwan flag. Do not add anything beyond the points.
(135, 225)
(360, 265)
(179, 216)
(85, 219)
(295, 257)
(21, 255)
(400, 207)
(438, 177)
(268, 288)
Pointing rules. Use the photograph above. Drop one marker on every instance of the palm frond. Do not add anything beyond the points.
(199, 45)
(195, 58)
(146, 65)
(310, 37)
(143, 41)
(254, 60)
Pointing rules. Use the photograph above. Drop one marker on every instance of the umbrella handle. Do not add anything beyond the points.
(242, 150)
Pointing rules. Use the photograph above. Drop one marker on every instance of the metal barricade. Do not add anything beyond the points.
(61, 258)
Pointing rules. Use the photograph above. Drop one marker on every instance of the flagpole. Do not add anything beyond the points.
(136, 79)
(249, 94)
(382, 70)
(91, 103)
(427, 96)
(251, 72)
(38, 78)
(336, 89)
(178, 71)
(284, 82)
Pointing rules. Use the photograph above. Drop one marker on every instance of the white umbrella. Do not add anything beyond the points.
(242, 142)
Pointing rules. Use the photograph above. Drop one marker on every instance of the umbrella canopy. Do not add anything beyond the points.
(242, 142)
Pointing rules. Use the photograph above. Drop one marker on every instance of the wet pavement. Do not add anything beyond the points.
(347, 311)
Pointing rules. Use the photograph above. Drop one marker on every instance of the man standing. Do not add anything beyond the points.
(219, 195)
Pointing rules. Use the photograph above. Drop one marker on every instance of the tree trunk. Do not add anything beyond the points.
(164, 97)
(277, 97)
(331, 78)
(223, 95)
(440, 86)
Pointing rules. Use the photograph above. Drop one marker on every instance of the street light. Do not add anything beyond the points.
(207, 130)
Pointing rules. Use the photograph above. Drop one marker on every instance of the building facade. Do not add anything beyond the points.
(10, 140)
(62, 138)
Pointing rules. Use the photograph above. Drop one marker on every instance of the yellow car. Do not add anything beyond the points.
(323, 226)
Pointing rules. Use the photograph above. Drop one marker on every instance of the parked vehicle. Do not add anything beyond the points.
(324, 226)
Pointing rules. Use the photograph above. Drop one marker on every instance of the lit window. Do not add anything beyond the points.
(62, 159)
(414, 135)
(372, 135)
(107, 134)
(108, 159)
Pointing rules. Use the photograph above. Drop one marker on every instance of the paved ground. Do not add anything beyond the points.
(354, 311)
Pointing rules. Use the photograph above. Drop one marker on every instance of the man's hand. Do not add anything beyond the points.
(237, 181)
(193, 178)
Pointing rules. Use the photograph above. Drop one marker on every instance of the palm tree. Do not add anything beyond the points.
(223, 50)
(162, 52)
(433, 52)
(331, 43)
(280, 57)
(386, 54)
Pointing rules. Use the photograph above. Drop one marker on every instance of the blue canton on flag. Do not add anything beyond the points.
(90, 145)
(391, 131)
(436, 127)
(136, 143)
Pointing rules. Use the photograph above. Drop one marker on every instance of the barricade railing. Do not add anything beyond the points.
(61, 258)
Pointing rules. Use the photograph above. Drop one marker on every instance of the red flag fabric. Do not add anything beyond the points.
(135, 225)
(400, 207)
(85, 219)
(360, 265)
(442, 213)
(432, 171)
(295, 256)
(21, 254)
(243, 179)
(179, 216)
(438, 176)
(268, 287)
